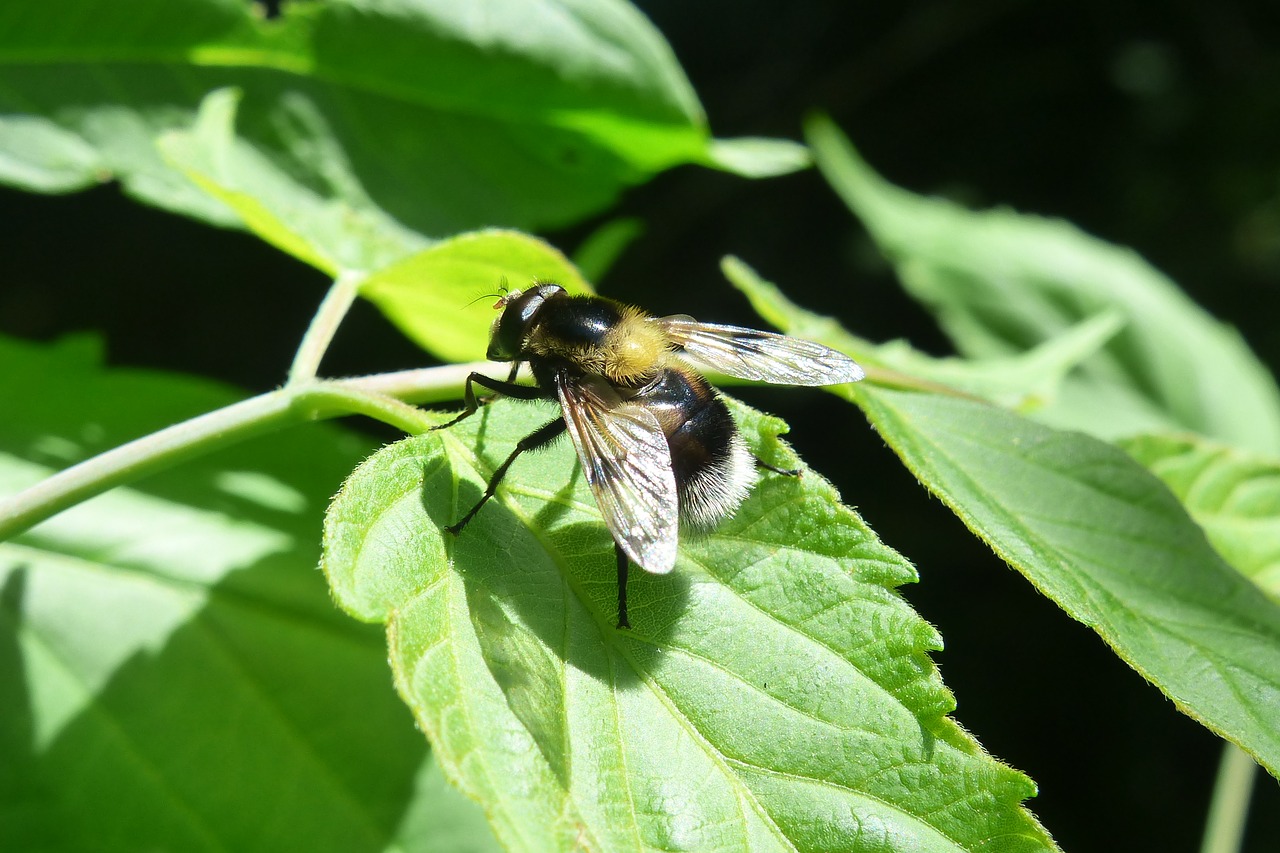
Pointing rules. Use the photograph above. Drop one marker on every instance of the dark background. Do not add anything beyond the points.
(1155, 125)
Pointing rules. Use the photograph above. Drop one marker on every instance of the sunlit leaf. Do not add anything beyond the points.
(443, 297)
(775, 693)
(441, 117)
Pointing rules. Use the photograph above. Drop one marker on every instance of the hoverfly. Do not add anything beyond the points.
(657, 444)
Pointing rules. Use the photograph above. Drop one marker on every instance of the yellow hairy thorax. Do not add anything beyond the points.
(634, 350)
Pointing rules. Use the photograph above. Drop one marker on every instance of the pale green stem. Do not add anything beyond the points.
(429, 384)
(380, 397)
(1229, 808)
(324, 325)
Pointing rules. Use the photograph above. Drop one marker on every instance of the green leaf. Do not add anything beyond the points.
(1233, 495)
(334, 226)
(1001, 282)
(444, 117)
(598, 252)
(429, 293)
(775, 693)
(176, 677)
(435, 296)
(1110, 545)
(1025, 381)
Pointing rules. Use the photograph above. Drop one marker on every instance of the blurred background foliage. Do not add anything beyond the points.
(1150, 125)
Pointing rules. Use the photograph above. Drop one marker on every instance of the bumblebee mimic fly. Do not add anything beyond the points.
(657, 444)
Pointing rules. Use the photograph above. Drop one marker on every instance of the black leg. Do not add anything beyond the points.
(622, 586)
(786, 472)
(540, 437)
(506, 389)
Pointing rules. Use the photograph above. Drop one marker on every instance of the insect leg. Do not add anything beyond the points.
(786, 472)
(540, 437)
(507, 389)
(622, 586)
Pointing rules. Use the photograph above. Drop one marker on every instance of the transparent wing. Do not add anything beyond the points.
(627, 462)
(759, 356)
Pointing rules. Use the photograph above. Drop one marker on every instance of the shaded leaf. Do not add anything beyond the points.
(175, 674)
(1000, 282)
(775, 693)
(1232, 494)
(1110, 545)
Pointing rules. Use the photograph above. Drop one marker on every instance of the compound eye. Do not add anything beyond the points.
(512, 326)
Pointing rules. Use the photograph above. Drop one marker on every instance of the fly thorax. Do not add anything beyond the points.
(634, 350)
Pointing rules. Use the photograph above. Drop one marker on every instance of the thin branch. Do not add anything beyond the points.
(426, 384)
(324, 325)
(381, 397)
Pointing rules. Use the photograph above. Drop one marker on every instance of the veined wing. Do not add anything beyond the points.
(758, 356)
(627, 462)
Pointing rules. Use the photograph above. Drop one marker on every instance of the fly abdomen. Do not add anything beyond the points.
(712, 466)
